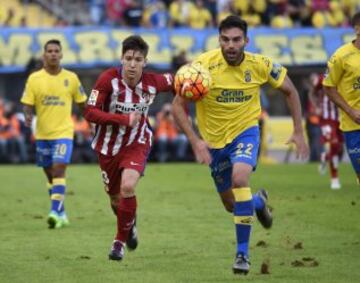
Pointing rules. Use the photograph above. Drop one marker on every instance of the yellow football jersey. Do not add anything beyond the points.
(344, 73)
(233, 103)
(52, 96)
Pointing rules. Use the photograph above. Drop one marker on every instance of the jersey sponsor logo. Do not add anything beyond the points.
(52, 100)
(356, 85)
(124, 107)
(212, 67)
(93, 97)
(232, 95)
(148, 97)
(276, 71)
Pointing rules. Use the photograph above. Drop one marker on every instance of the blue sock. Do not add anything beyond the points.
(243, 217)
(258, 202)
(58, 195)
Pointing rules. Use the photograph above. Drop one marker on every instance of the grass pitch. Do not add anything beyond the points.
(185, 234)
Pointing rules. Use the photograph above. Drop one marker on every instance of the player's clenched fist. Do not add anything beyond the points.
(134, 118)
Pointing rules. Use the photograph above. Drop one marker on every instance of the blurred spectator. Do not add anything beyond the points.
(170, 143)
(9, 18)
(133, 14)
(17, 149)
(97, 8)
(224, 10)
(82, 141)
(179, 12)
(277, 14)
(211, 6)
(250, 11)
(299, 12)
(115, 11)
(199, 16)
(12, 142)
(156, 15)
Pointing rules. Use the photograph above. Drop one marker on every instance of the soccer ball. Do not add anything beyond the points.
(192, 81)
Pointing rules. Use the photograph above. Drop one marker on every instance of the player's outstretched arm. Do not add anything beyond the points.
(293, 102)
(199, 146)
(99, 117)
(335, 97)
(28, 112)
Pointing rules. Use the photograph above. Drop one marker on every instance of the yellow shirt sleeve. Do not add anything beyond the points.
(79, 93)
(28, 95)
(274, 72)
(334, 71)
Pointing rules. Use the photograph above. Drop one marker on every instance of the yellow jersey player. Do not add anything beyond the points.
(228, 123)
(342, 85)
(51, 92)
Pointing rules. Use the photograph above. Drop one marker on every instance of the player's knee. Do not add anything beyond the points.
(58, 171)
(127, 189)
(240, 182)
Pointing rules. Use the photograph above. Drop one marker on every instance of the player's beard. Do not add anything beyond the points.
(236, 59)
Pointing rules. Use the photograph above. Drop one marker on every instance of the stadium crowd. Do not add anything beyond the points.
(197, 14)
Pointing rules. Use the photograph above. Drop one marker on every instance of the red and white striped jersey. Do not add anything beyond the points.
(329, 110)
(112, 100)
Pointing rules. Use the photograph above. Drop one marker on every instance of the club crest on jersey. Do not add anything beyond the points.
(93, 97)
(150, 95)
(66, 82)
(247, 76)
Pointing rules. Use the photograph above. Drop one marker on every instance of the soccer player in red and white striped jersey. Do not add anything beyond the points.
(118, 106)
(331, 135)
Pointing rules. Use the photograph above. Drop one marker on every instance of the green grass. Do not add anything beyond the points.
(185, 234)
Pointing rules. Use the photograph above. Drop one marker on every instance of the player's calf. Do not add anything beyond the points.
(132, 241)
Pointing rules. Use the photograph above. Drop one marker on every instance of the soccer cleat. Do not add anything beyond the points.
(54, 220)
(264, 215)
(132, 241)
(117, 251)
(241, 264)
(335, 184)
(64, 219)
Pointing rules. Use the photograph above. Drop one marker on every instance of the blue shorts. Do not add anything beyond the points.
(49, 152)
(243, 149)
(352, 141)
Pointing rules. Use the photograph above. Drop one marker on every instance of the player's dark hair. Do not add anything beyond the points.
(355, 20)
(233, 22)
(52, 41)
(137, 43)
